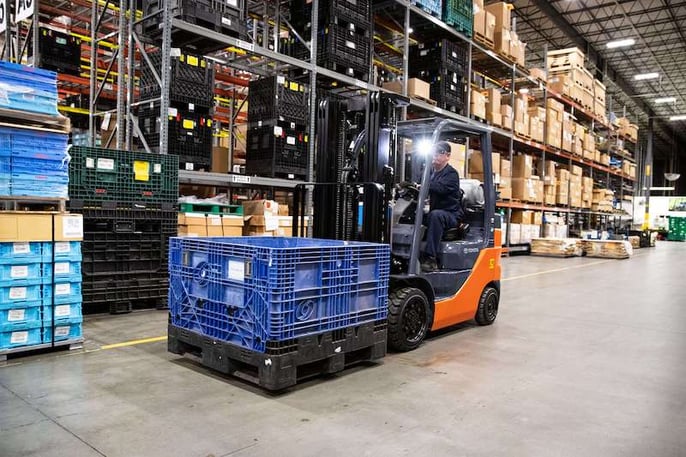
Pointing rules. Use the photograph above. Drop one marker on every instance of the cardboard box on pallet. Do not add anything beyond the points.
(562, 174)
(560, 83)
(494, 119)
(478, 104)
(505, 193)
(480, 23)
(522, 166)
(505, 168)
(489, 25)
(554, 136)
(515, 233)
(502, 13)
(39, 226)
(527, 189)
(493, 99)
(502, 42)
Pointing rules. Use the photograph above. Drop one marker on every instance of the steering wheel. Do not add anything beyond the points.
(408, 190)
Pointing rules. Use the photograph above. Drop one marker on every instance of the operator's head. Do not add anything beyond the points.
(441, 155)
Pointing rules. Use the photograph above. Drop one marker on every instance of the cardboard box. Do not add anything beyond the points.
(260, 208)
(478, 5)
(515, 233)
(576, 170)
(259, 222)
(501, 11)
(192, 219)
(536, 111)
(561, 83)
(232, 221)
(562, 198)
(480, 23)
(493, 99)
(495, 119)
(550, 199)
(214, 220)
(215, 230)
(505, 193)
(476, 162)
(554, 137)
(490, 26)
(68, 227)
(232, 231)
(478, 104)
(552, 104)
(522, 216)
(506, 111)
(527, 189)
(458, 156)
(415, 88)
(522, 166)
(562, 174)
(25, 227)
(505, 168)
(502, 42)
(537, 218)
(504, 181)
(220, 160)
(508, 122)
(589, 142)
(192, 230)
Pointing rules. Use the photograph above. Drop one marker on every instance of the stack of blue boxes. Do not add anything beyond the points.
(32, 162)
(40, 293)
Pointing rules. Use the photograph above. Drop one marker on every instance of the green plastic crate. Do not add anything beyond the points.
(463, 23)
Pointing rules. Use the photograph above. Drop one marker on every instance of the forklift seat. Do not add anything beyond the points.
(473, 200)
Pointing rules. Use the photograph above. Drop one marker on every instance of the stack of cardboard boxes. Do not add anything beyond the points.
(458, 157)
(599, 91)
(586, 192)
(627, 129)
(629, 168)
(537, 118)
(562, 177)
(266, 218)
(554, 227)
(575, 186)
(568, 76)
(493, 104)
(548, 174)
(603, 200)
(201, 224)
(505, 184)
(525, 185)
(521, 113)
(478, 104)
(507, 42)
(484, 24)
(554, 116)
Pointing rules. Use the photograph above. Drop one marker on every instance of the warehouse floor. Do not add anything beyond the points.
(586, 359)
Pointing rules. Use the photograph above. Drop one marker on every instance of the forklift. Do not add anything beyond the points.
(359, 196)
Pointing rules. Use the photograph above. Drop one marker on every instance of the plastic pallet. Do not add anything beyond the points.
(288, 362)
(190, 134)
(357, 12)
(59, 52)
(192, 80)
(460, 22)
(98, 175)
(273, 150)
(439, 54)
(293, 286)
(274, 97)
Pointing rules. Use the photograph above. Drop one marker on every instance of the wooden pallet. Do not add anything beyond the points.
(425, 100)
(34, 121)
(490, 44)
(33, 204)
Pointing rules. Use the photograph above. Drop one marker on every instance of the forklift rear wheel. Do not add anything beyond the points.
(488, 306)
(409, 318)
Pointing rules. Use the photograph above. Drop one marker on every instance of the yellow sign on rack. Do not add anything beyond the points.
(141, 170)
(188, 124)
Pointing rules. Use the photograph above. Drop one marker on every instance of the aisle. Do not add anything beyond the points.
(586, 359)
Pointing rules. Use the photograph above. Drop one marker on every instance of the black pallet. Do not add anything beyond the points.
(59, 52)
(439, 54)
(277, 151)
(357, 12)
(120, 293)
(343, 43)
(192, 81)
(190, 134)
(285, 363)
(277, 97)
(213, 15)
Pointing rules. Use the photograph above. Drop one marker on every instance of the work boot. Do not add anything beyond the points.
(429, 264)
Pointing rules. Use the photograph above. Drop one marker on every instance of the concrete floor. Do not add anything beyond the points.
(586, 359)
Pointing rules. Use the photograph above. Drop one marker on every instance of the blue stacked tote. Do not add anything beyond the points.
(33, 163)
(40, 293)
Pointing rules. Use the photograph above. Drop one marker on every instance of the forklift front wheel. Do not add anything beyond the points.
(488, 306)
(409, 318)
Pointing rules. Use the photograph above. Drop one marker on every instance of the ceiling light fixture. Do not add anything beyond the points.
(659, 101)
(681, 117)
(621, 43)
(644, 76)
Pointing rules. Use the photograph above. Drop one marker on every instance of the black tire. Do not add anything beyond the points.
(409, 318)
(488, 306)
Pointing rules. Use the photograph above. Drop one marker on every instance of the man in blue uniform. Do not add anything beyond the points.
(444, 203)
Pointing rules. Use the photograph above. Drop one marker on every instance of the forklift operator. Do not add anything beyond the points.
(445, 207)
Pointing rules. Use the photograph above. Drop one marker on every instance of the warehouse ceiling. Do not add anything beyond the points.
(659, 30)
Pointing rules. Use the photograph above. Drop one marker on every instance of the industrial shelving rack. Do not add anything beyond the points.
(113, 34)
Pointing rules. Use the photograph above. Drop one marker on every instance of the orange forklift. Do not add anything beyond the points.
(359, 196)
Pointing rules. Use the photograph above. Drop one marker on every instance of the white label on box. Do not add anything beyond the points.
(271, 223)
(21, 248)
(350, 44)
(241, 179)
(72, 226)
(61, 268)
(62, 310)
(19, 337)
(17, 293)
(236, 270)
(175, 52)
(278, 131)
(290, 140)
(189, 166)
(63, 289)
(90, 163)
(62, 247)
(172, 112)
(280, 79)
(62, 331)
(19, 271)
(105, 164)
(226, 21)
(214, 220)
(16, 315)
(157, 168)
(191, 107)
(233, 3)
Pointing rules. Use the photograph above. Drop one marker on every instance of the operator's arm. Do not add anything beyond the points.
(445, 184)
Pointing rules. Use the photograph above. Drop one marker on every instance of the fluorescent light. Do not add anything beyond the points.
(621, 43)
(662, 188)
(664, 100)
(644, 76)
(410, 30)
(681, 117)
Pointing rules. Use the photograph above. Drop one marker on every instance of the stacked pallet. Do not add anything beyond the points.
(607, 249)
(603, 200)
(568, 75)
(40, 281)
(129, 205)
(556, 247)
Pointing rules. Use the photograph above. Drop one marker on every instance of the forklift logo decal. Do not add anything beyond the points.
(491, 264)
